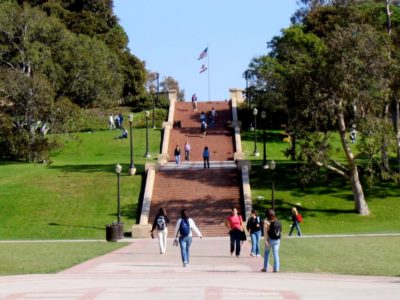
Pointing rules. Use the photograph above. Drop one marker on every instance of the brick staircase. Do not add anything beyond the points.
(207, 194)
(218, 139)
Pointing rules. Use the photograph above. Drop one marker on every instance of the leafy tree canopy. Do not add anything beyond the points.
(55, 56)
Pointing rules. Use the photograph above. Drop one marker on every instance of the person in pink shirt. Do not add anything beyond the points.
(234, 223)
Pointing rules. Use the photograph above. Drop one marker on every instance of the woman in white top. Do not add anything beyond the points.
(187, 150)
(184, 228)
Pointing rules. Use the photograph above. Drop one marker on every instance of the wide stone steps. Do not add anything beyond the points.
(207, 194)
(219, 138)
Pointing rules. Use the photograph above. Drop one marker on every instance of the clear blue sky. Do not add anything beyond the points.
(169, 35)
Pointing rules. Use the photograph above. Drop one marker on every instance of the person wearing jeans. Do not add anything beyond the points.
(184, 244)
(295, 221)
(274, 245)
(206, 157)
(272, 235)
(177, 153)
(254, 227)
(185, 238)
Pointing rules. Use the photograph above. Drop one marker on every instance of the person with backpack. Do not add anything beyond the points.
(272, 236)
(160, 223)
(206, 157)
(203, 128)
(296, 219)
(234, 223)
(184, 228)
(254, 227)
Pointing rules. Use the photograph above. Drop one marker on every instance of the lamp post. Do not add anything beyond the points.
(271, 165)
(255, 111)
(118, 169)
(264, 117)
(158, 92)
(147, 134)
(132, 169)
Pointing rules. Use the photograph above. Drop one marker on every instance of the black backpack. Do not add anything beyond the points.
(161, 223)
(275, 230)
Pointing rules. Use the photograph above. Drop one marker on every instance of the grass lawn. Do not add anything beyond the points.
(350, 255)
(327, 206)
(45, 258)
(76, 196)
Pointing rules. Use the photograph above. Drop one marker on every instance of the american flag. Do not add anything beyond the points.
(203, 68)
(203, 54)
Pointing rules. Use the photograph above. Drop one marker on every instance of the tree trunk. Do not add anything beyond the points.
(398, 133)
(358, 193)
(293, 148)
(384, 153)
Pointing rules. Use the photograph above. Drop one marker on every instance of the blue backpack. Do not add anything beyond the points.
(184, 228)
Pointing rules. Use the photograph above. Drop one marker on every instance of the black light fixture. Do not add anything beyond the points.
(132, 169)
(255, 112)
(264, 117)
(118, 170)
(147, 155)
(271, 166)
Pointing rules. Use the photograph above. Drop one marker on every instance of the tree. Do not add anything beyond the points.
(92, 76)
(95, 19)
(27, 111)
(354, 86)
(169, 83)
(323, 81)
(287, 75)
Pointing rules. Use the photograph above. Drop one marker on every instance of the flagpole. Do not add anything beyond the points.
(208, 69)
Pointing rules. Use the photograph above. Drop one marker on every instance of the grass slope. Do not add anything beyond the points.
(76, 196)
(327, 206)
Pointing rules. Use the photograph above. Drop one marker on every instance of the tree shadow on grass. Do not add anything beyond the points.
(75, 226)
(4, 162)
(270, 137)
(287, 178)
(129, 211)
(283, 208)
(95, 168)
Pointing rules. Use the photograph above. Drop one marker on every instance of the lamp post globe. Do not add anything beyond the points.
(255, 112)
(132, 169)
(264, 117)
(147, 155)
(272, 164)
(118, 168)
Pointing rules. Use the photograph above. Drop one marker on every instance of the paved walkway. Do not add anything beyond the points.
(138, 271)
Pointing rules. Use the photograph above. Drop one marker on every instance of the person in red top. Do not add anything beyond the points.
(234, 223)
